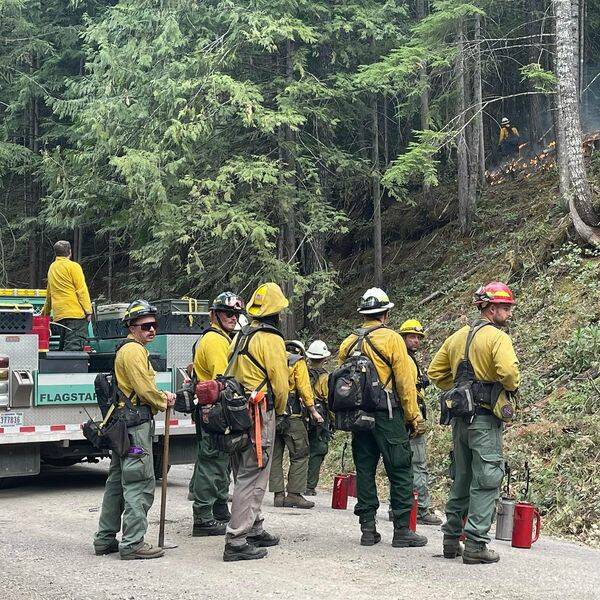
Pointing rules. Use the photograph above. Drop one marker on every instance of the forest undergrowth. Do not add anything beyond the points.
(524, 238)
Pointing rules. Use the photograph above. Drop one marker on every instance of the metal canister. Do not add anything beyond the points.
(504, 521)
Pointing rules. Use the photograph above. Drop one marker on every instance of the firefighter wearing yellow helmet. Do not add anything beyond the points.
(388, 438)
(413, 333)
(259, 364)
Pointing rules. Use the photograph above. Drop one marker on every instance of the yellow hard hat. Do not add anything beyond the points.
(412, 326)
(267, 300)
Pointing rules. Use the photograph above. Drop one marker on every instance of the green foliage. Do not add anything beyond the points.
(543, 80)
(582, 351)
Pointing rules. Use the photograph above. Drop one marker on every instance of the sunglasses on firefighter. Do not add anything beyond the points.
(148, 326)
(230, 313)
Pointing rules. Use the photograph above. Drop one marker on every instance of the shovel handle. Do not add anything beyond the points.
(165, 470)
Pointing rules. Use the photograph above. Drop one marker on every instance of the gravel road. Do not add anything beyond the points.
(47, 525)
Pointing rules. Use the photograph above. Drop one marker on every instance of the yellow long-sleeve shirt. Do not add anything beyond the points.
(135, 373)
(321, 386)
(269, 350)
(211, 355)
(67, 295)
(505, 132)
(299, 382)
(491, 354)
(391, 345)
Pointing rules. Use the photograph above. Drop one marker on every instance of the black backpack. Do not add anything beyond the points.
(462, 399)
(355, 389)
(228, 419)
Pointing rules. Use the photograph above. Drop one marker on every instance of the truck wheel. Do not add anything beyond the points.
(158, 463)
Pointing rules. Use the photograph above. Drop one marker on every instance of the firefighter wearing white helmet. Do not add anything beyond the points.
(319, 434)
(508, 138)
(291, 433)
(413, 333)
(389, 438)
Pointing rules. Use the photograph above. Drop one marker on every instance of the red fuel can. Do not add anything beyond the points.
(524, 515)
(352, 485)
(41, 327)
(412, 522)
(339, 498)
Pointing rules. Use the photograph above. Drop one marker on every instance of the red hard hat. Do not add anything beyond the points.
(494, 292)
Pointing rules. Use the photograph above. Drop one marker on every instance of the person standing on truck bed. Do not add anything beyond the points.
(129, 491)
(210, 483)
(68, 299)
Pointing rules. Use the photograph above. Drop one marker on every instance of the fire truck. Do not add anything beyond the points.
(46, 395)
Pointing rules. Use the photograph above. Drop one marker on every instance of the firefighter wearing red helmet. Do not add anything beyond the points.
(478, 358)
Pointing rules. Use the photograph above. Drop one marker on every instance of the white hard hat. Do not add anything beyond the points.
(295, 344)
(318, 350)
(374, 301)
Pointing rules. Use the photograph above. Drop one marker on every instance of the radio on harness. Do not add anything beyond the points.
(470, 394)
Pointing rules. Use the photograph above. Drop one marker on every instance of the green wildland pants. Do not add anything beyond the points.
(210, 483)
(295, 439)
(418, 445)
(73, 334)
(477, 469)
(319, 446)
(128, 495)
(390, 441)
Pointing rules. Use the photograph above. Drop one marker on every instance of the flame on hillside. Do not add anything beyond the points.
(525, 165)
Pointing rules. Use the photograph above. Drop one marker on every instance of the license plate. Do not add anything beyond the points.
(11, 419)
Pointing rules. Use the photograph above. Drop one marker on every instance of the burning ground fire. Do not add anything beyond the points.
(525, 165)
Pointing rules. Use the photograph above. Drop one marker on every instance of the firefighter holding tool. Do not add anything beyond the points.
(210, 483)
(388, 437)
(129, 491)
(478, 371)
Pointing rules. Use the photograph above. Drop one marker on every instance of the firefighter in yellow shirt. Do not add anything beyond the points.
(129, 491)
(260, 365)
(291, 433)
(68, 299)
(318, 433)
(508, 138)
(389, 438)
(478, 464)
(210, 484)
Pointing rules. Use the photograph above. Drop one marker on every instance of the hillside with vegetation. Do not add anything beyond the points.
(523, 237)
(186, 148)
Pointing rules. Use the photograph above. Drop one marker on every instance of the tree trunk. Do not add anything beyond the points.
(111, 262)
(464, 209)
(386, 148)
(478, 138)
(579, 197)
(377, 251)
(424, 103)
(535, 101)
(288, 321)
